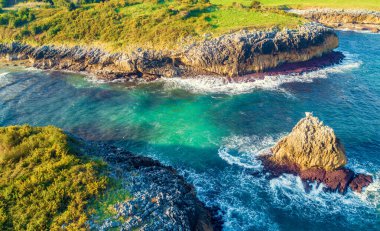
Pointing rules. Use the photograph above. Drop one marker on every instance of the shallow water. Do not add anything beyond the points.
(211, 132)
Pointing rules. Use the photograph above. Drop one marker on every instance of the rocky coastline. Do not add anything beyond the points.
(314, 153)
(231, 55)
(358, 20)
(162, 199)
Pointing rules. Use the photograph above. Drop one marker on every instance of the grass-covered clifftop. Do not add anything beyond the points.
(303, 4)
(123, 24)
(43, 185)
(120, 25)
(51, 181)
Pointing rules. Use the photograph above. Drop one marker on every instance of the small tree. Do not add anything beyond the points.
(255, 5)
(71, 6)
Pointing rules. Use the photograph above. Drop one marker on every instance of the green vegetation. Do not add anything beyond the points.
(302, 4)
(43, 185)
(120, 25)
(103, 207)
(124, 24)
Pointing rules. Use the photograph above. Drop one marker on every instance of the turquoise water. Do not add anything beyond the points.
(212, 132)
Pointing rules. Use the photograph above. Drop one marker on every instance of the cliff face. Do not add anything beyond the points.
(229, 55)
(344, 19)
(244, 52)
(311, 145)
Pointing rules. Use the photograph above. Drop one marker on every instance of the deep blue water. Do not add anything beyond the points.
(212, 132)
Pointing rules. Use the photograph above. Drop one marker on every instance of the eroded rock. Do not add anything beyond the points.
(234, 54)
(162, 199)
(310, 145)
(343, 19)
(313, 152)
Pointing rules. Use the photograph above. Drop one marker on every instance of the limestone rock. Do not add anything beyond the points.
(234, 54)
(343, 19)
(311, 145)
(313, 152)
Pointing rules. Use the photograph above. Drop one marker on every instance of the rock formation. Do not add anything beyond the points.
(344, 19)
(310, 145)
(162, 199)
(313, 152)
(231, 55)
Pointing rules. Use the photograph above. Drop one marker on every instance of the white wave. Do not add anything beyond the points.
(371, 194)
(287, 193)
(244, 150)
(212, 84)
(358, 31)
(4, 74)
(237, 194)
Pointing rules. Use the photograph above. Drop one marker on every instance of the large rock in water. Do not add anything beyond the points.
(311, 145)
(313, 152)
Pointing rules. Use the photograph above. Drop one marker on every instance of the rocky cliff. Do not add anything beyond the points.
(162, 199)
(313, 152)
(344, 19)
(231, 55)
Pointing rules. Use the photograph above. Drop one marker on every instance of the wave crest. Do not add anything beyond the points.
(243, 150)
(212, 84)
(3, 74)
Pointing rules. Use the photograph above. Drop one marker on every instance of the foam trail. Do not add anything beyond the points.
(212, 84)
(371, 194)
(287, 193)
(243, 151)
(3, 74)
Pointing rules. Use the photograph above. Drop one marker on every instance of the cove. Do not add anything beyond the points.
(211, 133)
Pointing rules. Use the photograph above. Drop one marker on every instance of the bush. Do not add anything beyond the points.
(71, 6)
(43, 186)
(255, 5)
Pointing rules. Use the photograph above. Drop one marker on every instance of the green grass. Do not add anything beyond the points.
(234, 19)
(302, 4)
(43, 185)
(123, 25)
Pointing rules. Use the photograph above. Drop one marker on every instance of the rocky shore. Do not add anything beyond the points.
(161, 199)
(232, 55)
(361, 20)
(313, 152)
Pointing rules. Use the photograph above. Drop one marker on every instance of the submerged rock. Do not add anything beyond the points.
(313, 152)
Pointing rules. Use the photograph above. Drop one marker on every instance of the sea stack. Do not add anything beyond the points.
(313, 152)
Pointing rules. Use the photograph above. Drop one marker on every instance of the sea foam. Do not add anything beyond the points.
(3, 74)
(212, 84)
(243, 150)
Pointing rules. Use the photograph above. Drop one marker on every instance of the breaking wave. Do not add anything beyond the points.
(285, 193)
(243, 150)
(212, 84)
(3, 74)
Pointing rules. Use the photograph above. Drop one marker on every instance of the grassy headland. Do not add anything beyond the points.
(305, 4)
(120, 25)
(123, 24)
(43, 184)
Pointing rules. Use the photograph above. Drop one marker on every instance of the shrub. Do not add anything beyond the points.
(255, 5)
(71, 6)
(44, 186)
